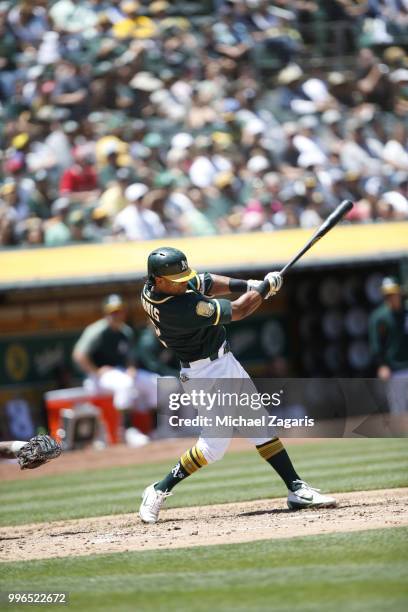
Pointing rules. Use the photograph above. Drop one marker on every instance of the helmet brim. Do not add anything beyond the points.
(181, 277)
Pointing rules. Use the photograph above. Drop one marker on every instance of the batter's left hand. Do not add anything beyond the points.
(252, 284)
(275, 282)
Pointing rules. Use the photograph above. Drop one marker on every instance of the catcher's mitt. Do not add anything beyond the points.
(37, 451)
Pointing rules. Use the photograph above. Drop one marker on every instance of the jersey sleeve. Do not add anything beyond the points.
(202, 283)
(224, 311)
(207, 283)
(195, 311)
(87, 342)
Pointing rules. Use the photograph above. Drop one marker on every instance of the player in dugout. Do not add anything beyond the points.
(388, 334)
(105, 354)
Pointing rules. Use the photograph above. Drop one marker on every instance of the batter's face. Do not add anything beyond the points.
(163, 285)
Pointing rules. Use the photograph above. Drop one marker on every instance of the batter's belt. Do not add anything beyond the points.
(224, 348)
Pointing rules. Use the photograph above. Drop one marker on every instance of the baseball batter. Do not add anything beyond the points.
(189, 318)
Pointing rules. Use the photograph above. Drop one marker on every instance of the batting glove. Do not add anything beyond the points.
(253, 284)
(275, 281)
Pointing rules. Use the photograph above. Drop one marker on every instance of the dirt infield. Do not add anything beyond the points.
(205, 525)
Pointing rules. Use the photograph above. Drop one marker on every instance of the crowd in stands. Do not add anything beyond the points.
(134, 120)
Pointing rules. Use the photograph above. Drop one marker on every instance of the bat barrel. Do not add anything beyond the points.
(332, 220)
(340, 211)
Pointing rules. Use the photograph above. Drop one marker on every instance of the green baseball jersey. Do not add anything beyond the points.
(388, 333)
(106, 346)
(190, 324)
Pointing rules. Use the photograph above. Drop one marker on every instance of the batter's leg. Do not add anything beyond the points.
(300, 494)
(270, 449)
(206, 450)
(275, 454)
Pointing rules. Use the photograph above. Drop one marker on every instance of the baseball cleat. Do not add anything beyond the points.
(305, 496)
(152, 502)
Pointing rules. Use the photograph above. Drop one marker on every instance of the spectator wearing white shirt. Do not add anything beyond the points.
(355, 155)
(135, 221)
(395, 151)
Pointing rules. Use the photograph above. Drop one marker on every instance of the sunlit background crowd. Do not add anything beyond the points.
(126, 120)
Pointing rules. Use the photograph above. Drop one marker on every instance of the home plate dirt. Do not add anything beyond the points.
(203, 525)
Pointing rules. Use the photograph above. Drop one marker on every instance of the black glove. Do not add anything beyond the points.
(37, 451)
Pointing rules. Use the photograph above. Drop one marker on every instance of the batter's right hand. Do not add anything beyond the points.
(275, 282)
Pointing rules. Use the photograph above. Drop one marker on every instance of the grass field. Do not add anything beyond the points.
(333, 465)
(358, 572)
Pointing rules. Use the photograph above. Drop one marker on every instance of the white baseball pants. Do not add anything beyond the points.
(228, 367)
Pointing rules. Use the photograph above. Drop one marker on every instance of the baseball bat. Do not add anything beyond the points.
(325, 227)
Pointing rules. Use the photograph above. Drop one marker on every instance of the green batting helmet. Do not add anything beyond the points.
(169, 263)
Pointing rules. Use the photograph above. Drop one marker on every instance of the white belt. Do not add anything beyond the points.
(224, 348)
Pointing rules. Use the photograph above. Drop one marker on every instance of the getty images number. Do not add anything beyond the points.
(22, 598)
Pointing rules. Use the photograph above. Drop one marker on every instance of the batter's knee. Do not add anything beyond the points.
(213, 449)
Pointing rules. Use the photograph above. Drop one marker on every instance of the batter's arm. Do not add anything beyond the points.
(84, 362)
(83, 349)
(224, 285)
(246, 305)
(252, 299)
